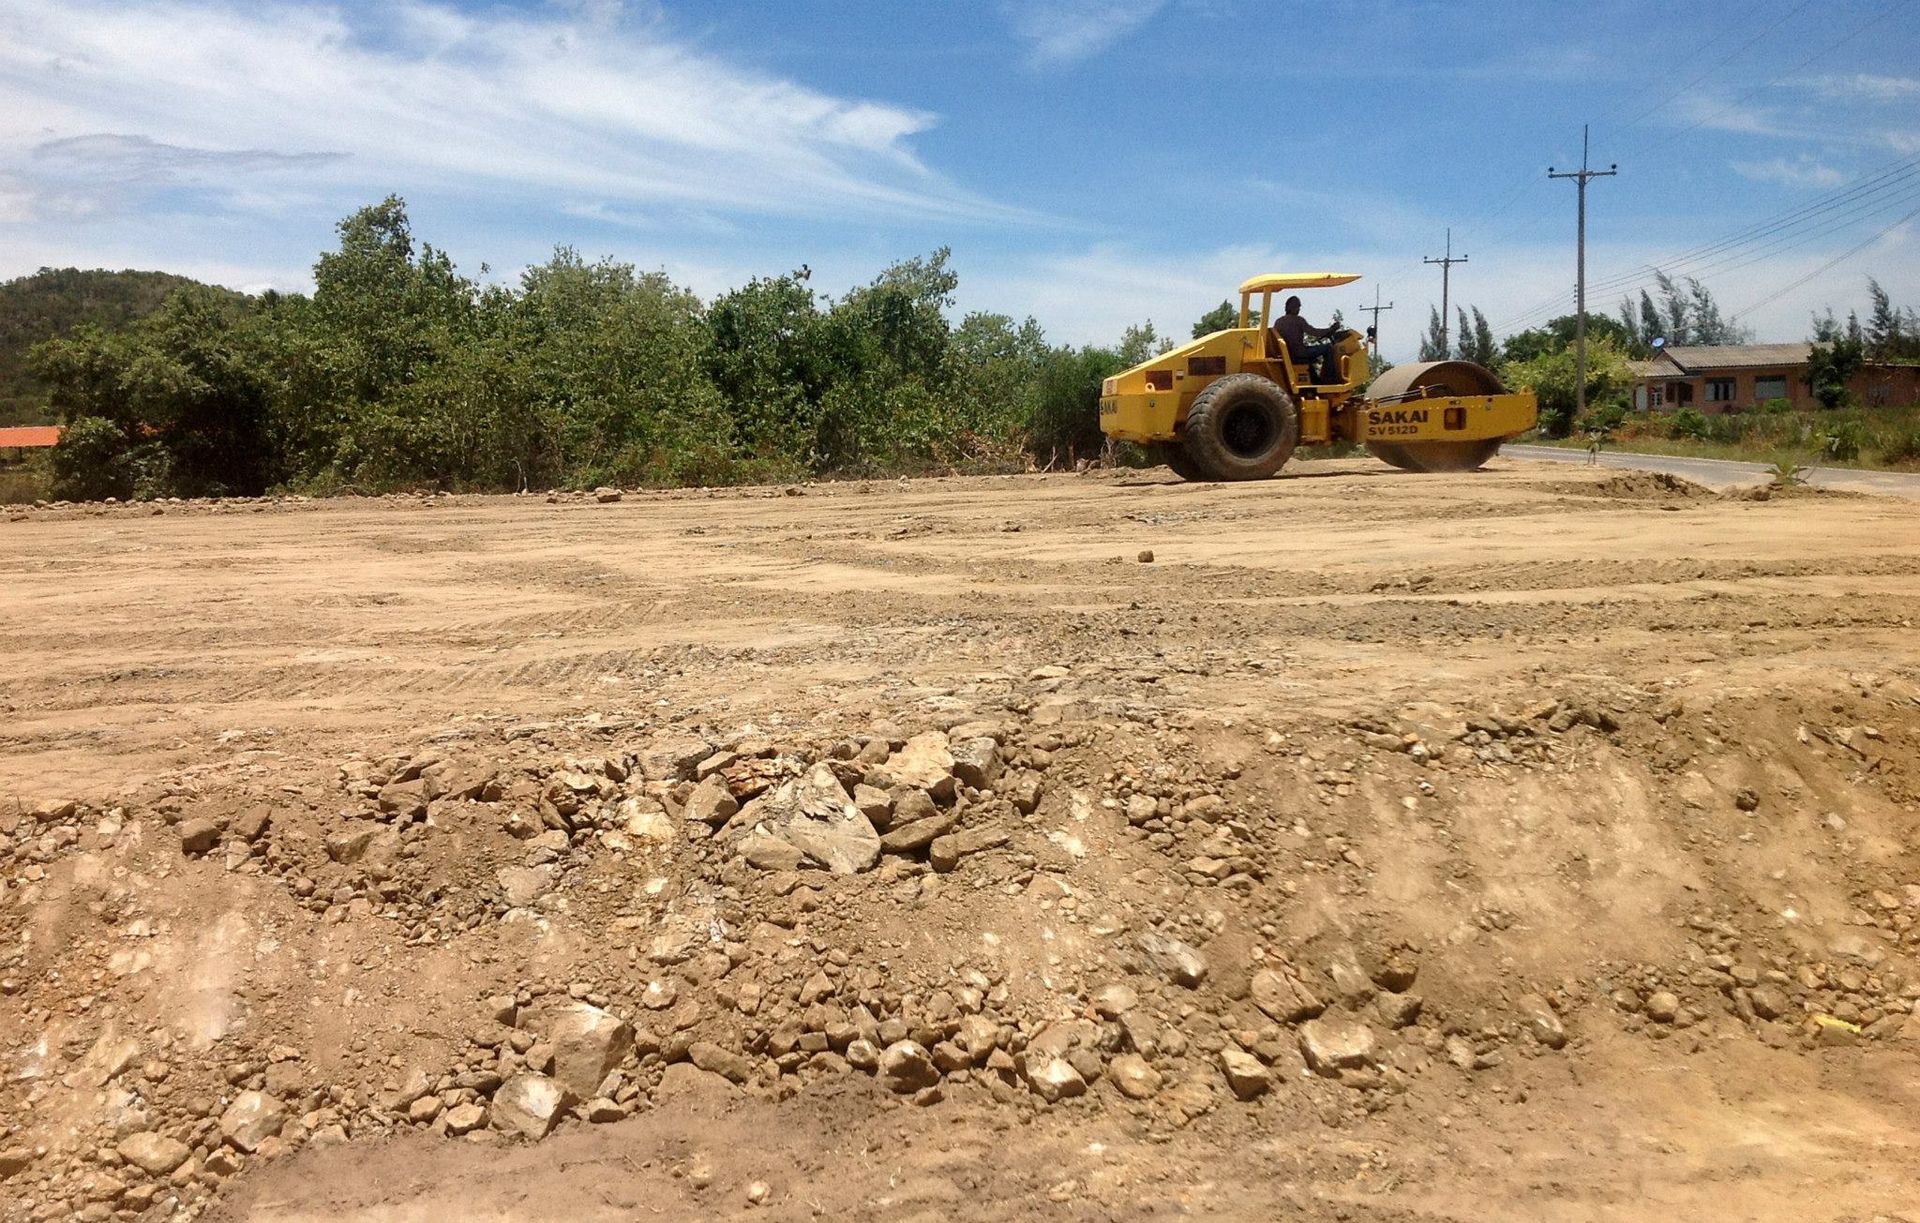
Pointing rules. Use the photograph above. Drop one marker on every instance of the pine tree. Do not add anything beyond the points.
(1433, 345)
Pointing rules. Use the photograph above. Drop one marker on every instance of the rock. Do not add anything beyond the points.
(925, 763)
(528, 1105)
(674, 757)
(14, 1160)
(1663, 1007)
(646, 821)
(976, 762)
(423, 1110)
(416, 1083)
(876, 804)
(253, 823)
(906, 1067)
(863, 1055)
(1245, 1075)
(1113, 1001)
(1054, 1079)
(711, 802)
(197, 836)
(758, 1192)
(1133, 1077)
(588, 1043)
(1770, 1001)
(503, 1009)
(1331, 1045)
(1025, 793)
(601, 1111)
(716, 1059)
(1283, 999)
(251, 1119)
(404, 800)
(1398, 1010)
(154, 1154)
(1180, 963)
(1145, 556)
(349, 845)
(1543, 1023)
(918, 835)
(606, 496)
(522, 885)
(769, 853)
(945, 852)
(462, 1118)
(815, 816)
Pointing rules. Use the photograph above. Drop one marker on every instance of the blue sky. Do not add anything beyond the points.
(1091, 162)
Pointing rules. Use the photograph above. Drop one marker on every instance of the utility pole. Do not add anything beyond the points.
(1581, 178)
(1446, 263)
(1376, 309)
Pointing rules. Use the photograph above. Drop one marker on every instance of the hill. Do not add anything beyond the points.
(52, 302)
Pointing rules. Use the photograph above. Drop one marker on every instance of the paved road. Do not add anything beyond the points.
(1721, 473)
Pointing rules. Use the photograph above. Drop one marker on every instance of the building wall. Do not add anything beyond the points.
(1875, 386)
(1743, 390)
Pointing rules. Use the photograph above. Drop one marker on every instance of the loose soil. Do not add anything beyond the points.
(1524, 845)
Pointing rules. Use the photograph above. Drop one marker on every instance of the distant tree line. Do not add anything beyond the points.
(399, 371)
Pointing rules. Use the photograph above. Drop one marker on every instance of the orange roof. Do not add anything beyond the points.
(29, 436)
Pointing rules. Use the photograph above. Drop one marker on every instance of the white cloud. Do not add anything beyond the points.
(419, 95)
(1866, 86)
(1060, 32)
(1803, 172)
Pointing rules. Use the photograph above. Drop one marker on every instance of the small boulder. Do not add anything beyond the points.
(154, 1154)
(1331, 1045)
(587, 1044)
(529, 1105)
(1133, 1077)
(907, 1067)
(1054, 1079)
(1542, 1021)
(924, 763)
(1245, 1075)
(976, 762)
(251, 1119)
(1282, 998)
(1179, 962)
(197, 836)
(711, 802)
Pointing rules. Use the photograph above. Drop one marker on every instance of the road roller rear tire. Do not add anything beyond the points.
(1242, 427)
(1435, 456)
(1175, 457)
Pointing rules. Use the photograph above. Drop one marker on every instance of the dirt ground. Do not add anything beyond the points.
(1534, 844)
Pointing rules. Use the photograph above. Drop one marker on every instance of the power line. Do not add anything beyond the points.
(1837, 259)
(1895, 186)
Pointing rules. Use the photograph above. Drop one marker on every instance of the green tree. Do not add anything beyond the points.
(1475, 339)
(1139, 344)
(1835, 358)
(1220, 318)
(1553, 377)
(1433, 345)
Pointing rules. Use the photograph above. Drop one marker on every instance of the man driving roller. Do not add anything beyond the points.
(1309, 347)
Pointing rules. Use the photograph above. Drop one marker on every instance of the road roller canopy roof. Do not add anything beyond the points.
(1275, 282)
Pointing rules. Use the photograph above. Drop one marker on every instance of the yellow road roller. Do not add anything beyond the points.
(1233, 405)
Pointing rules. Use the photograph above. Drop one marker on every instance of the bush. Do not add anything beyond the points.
(1901, 447)
(93, 461)
(1727, 428)
(1843, 440)
(1689, 423)
(1774, 407)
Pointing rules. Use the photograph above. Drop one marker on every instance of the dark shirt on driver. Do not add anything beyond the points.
(1294, 329)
